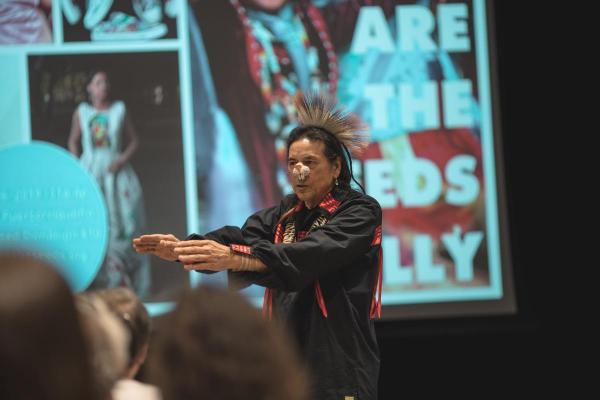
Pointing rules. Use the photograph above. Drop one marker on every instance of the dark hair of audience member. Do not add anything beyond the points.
(42, 350)
(125, 304)
(107, 340)
(216, 345)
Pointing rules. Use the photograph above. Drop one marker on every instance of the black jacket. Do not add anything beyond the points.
(341, 349)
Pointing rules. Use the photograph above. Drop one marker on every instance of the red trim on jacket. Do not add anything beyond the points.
(240, 248)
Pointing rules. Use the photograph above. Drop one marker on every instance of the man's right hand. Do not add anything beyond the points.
(157, 244)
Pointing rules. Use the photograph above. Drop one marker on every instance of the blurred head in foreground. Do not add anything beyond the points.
(216, 343)
(42, 349)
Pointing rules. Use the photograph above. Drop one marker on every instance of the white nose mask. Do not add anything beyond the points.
(301, 172)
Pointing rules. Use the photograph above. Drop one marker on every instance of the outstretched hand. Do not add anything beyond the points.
(203, 254)
(157, 244)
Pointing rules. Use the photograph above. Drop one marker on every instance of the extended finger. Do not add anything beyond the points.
(167, 243)
(191, 250)
(188, 243)
(195, 258)
(145, 247)
(144, 250)
(140, 241)
(156, 237)
(144, 244)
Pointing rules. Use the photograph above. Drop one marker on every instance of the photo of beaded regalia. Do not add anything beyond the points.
(244, 96)
(243, 110)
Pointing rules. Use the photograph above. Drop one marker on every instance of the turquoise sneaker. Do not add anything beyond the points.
(95, 12)
(71, 11)
(148, 10)
(121, 26)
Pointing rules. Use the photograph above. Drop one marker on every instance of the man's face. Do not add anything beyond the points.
(311, 174)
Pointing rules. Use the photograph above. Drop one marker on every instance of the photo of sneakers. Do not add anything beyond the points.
(148, 10)
(121, 26)
(119, 21)
(96, 10)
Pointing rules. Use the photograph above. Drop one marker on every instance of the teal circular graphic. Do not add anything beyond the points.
(52, 208)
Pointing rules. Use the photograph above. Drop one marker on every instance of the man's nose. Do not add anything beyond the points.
(301, 171)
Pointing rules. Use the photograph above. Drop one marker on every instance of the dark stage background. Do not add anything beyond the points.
(493, 357)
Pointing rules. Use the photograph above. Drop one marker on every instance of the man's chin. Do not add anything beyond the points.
(301, 195)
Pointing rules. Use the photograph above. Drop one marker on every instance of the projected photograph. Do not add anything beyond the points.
(411, 71)
(125, 129)
(119, 21)
(25, 22)
(417, 89)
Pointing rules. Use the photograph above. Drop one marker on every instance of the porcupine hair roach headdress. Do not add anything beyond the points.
(343, 133)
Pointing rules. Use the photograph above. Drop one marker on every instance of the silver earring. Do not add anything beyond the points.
(336, 182)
